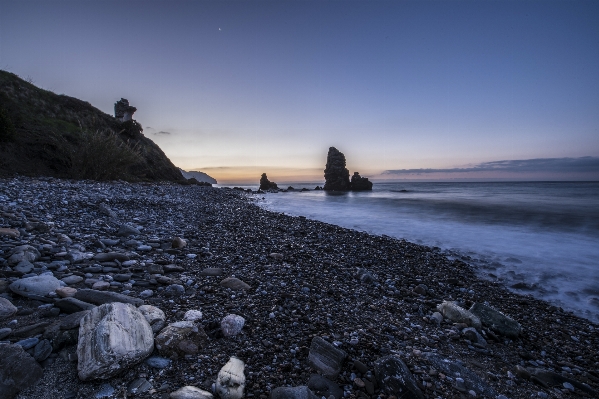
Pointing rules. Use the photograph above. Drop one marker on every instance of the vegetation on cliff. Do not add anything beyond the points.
(43, 133)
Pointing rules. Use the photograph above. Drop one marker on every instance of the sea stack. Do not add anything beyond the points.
(336, 175)
(266, 184)
(359, 183)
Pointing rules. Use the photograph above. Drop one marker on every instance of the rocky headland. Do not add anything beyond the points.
(162, 290)
(46, 134)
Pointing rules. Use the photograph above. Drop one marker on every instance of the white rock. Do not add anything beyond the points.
(231, 325)
(230, 382)
(112, 337)
(458, 314)
(155, 317)
(7, 309)
(193, 315)
(36, 285)
(190, 392)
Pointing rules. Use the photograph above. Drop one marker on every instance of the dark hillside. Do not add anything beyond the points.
(42, 133)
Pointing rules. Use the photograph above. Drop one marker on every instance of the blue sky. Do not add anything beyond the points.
(241, 88)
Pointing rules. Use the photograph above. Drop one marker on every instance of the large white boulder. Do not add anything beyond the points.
(112, 337)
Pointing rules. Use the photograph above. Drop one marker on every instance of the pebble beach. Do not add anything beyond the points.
(287, 306)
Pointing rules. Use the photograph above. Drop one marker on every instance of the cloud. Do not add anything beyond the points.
(583, 165)
(162, 132)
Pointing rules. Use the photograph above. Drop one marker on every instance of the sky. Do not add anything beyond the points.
(235, 89)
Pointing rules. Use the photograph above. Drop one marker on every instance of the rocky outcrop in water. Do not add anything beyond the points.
(266, 184)
(336, 174)
(359, 183)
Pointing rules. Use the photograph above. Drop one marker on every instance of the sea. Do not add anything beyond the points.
(538, 238)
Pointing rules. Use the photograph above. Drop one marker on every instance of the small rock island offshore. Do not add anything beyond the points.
(336, 175)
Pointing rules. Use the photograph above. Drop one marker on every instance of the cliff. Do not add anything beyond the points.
(46, 134)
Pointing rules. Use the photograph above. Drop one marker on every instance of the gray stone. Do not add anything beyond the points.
(72, 321)
(547, 378)
(155, 269)
(23, 252)
(471, 334)
(24, 267)
(18, 370)
(126, 230)
(28, 343)
(72, 280)
(190, 392)
(42, 350)
(102, 297)
(123, 278)
(230, 382)
(322, 386)
(112, 337)
(450, 368)
(37, 285)
(457, 314)
(106, 390)
(394, 378)
(139, 385)
(77, 257)
(301, 392)
(5, 332)
(180, 339)
(231, 325)
(111, 256)
(234, 284)
(325, 358)
(174, 290)
(155, 317)
(158, 362)
(105, 209)
(496, 321)
(7, 309)
(212, 271)
(73, 305)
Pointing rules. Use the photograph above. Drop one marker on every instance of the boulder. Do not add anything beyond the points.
(231, 325)
(24, 267)
(155, 317)
(72, 305)
(14, 233)
(112, 337)
(234, 284)
(230, 381)
(18, 370)
(126, 230)
(496, 321)
(359, 183)
(336, 174)
(111, 256)
(36, 285)
(454, 369)
(190, 392)
(325, 358)
(457, 314)
(324, 387)
(7, 309)
(178, 242)
(394, 378)
(180, 339)
(23, 252)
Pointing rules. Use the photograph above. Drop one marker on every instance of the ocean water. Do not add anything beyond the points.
(537, 238)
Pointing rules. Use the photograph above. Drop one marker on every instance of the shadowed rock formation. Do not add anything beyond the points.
(266, 184)
(359, 183)
(336, 174)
